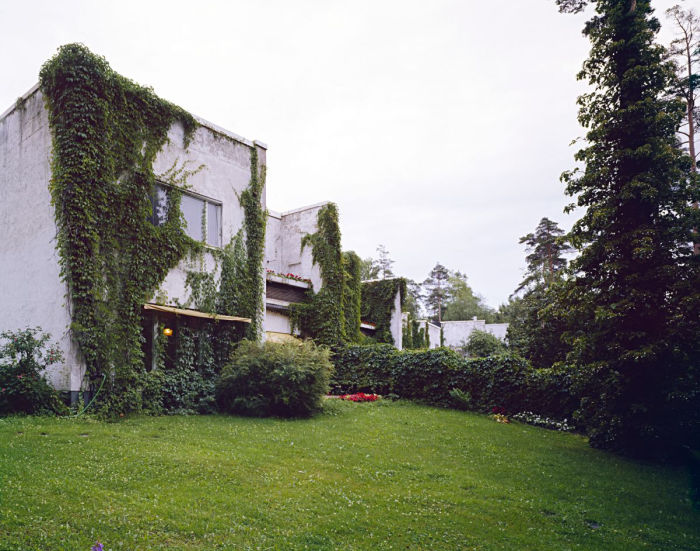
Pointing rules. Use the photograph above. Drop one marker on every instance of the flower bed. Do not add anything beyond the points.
(541, 421)
(359, 397)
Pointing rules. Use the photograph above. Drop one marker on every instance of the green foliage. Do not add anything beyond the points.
(255, 220)
(363, 369)
(545, 261)
(378, 305)
(231, 293)
(537, 325)
(280, 379)
(461, 303)
(24, 355)
(106, 134)
(481, 344)
(352, 296)
(443, 377)
(323, 317)
(415, 336)
(633, 304)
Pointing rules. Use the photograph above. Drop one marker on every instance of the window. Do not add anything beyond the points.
(202, 216)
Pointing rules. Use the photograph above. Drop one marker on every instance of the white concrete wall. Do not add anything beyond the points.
(31, 291)
(457, 332)
(433, 335)
(224, 175)
(283, 253)
(396, 325)
(283, 237)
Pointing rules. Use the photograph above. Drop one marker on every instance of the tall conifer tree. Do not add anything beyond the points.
(634, 299)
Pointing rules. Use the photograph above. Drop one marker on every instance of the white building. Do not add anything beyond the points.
(456, 333)
(32, 292)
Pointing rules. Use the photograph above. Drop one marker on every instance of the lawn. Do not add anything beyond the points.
(360, 476)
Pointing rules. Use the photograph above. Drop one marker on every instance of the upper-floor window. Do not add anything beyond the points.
(202, 215)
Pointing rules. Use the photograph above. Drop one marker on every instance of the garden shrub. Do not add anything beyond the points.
(23, 389)
(481, 344)
(281, 379)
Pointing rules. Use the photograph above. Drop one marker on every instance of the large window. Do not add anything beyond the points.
(202, 216)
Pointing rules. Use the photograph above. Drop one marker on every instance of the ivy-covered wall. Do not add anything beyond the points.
(379, 304)
(111, 141)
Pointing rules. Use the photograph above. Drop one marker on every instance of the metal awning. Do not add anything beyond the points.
(193, 313)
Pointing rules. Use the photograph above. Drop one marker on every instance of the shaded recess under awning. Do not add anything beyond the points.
(193, 313)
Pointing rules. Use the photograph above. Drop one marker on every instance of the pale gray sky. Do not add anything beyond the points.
(440, 127)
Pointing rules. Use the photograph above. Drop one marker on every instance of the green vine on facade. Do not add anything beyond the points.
(322, 318)
(254, 221)
(353, 296)
(106, 133)
(378, 305)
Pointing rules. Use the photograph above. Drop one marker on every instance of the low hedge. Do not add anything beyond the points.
(506, 382)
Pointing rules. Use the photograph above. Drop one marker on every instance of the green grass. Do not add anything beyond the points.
(361, 476)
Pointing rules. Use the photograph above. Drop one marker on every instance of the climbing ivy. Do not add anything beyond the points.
(255, 219)
(378, 304)
(106, 133)
(352, 296)
(323, 317)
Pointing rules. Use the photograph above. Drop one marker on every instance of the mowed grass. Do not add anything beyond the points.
(361, 476)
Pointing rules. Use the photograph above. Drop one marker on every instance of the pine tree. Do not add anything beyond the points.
(536, 324)
(436, 287)
(634, 298)
(546, 247)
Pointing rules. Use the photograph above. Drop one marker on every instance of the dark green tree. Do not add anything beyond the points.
(436, 288)
(368, 269)
(633, 300)
(546, 247)
(462, 303)
(536, 324)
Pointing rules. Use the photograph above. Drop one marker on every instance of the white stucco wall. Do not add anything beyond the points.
(433, 335)
(31, 291)
(225, 173)
(283, 237)
(457, 332)
(396, 325)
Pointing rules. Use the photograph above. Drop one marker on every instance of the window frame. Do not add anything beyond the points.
(204, 221)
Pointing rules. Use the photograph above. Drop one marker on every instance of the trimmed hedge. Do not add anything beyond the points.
(506, 382)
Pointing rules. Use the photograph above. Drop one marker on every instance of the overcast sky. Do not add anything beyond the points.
(439, 127)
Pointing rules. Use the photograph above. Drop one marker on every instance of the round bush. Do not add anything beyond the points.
(281, 379)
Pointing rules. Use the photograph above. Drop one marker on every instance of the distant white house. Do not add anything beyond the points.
(456, 333)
